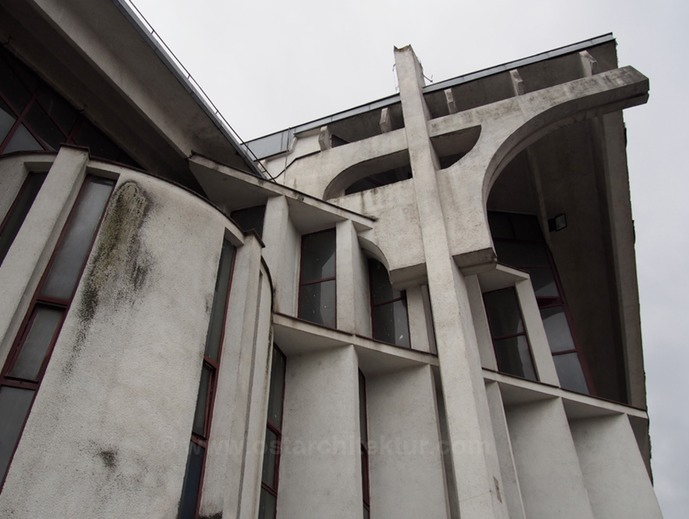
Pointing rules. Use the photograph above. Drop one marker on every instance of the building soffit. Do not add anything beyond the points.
(98, 56)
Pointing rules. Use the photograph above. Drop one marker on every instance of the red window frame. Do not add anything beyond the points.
(402, 297)
(276, 429)
(202, 439)
(303, 283)
(363, 416)
(40, 300)
(549, 302)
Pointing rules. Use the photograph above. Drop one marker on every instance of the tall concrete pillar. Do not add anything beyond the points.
(470, 435)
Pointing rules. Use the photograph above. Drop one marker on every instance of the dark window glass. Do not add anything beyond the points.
(271, 447)
(22, 140)
(42, 329)
(381, 289)
(514, 357)
(222, 286)
(526, 227)
(557, 329)
(504, 314)
(543, 282)
(500, 226)
(58, 109)
(363, 434)
(389, 317)
(521, 254)
(318, 256)
(317, 303)
(202, 401)
(390, 323)
(46, 119)
(363, 422)
(192, 482)
(519, 243)
(6, 120)
(512, 351)
(570, 373)
(14, 407)
(277, 385)
(98, 143)
(13, 89)
(44, 318)
(250, 219)
(191, 489)
(268, 505)
(270, 453)
(17, 213)
(42, 125)
(72, 252)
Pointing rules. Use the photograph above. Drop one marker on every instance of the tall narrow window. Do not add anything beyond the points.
(519, 243)
(511, 345)
(27, 361)
(317, 278)
(271, 450)
(389, 319)
(20, 208)
(191, 489)
(363, 434)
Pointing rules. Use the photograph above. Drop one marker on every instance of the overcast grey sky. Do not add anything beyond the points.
(271, 64)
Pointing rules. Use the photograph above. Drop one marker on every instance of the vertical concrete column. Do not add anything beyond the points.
(282, 254)
(228, 439)
(418, 326)
(258, 406)
(550, 477)
(483, 336)
(460, 366)
(543, 358)
(320, 463)
(405, 463)
(511, 492)
(36, 240)
(614, 471)
(352, 286)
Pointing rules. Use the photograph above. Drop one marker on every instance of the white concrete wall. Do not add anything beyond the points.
(614, 471)
(320, 465)
(405, 463)
(109, 430)
(282, 252)
(550, 477)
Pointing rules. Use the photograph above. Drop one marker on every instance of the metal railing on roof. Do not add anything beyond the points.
(192, 86)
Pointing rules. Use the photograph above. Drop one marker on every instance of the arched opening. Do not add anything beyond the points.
(549, 216)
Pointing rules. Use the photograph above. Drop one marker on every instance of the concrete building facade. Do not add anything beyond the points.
(422, 307)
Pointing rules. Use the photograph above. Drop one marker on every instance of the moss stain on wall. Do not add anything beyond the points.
(120, 265)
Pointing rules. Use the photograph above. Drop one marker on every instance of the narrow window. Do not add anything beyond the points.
(20, 208)
(271, 449)
(519, 243)
(27, 361)
(363, 433)
(389, 319)
(196, 459)
(511, 345)
(317, 278)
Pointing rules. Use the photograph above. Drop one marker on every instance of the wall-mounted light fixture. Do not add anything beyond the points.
(557, 222)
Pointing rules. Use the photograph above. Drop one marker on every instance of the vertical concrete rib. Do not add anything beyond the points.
(471, 440)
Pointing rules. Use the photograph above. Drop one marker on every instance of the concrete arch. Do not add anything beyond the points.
(615, 90)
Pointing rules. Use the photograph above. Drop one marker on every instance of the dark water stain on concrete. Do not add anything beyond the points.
(120, 265)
